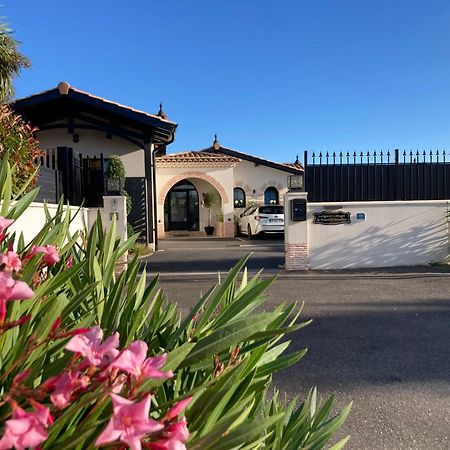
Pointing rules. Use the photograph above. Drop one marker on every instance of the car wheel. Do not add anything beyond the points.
(249, 232)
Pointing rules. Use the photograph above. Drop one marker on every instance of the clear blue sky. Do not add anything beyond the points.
(272, 78)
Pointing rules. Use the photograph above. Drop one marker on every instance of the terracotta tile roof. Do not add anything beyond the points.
(294, 165)
(218, 149)
(194, 157)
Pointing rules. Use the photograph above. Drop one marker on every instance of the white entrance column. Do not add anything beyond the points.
(295, 230)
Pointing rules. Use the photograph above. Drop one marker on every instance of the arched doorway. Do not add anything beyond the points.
(181, 208)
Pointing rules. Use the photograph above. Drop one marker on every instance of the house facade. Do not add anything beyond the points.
(239, 179)
(80, 131)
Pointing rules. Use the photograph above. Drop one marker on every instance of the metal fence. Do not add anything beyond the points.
(137, 217)
(49, 178)
(377, 176)
(64, 172)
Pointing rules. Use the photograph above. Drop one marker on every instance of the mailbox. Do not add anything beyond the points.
(298, 209)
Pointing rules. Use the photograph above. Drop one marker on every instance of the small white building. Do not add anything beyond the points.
(240, 180)
(80, 132)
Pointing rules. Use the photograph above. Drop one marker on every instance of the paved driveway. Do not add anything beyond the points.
(380, 338)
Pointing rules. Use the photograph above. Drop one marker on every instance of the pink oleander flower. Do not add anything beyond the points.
(134, 361)
(177, 408)
(4, 224)
(90, 346)
(25, 429)
(175, 435)
(11, 262)
(65, 386)
(130, 422)
(11, 289)
(50, 254)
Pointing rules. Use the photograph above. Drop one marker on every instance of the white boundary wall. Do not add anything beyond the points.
(397, 233)
(33, 219)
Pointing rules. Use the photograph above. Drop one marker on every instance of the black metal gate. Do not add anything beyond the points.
(94, 181)
(49, 179)
(137, 218)
(340, 177)
(82, 179)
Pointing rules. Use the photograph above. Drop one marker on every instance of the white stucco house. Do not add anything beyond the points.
(240, 179)
(79, 131)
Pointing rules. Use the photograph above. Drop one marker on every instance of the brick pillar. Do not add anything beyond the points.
(295, 236)
(296, 256)
(228, 229)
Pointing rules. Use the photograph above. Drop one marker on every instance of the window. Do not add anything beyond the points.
(239, 198)
(271, 196)
(271, 210)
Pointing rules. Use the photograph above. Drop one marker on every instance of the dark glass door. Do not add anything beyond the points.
(181, 208)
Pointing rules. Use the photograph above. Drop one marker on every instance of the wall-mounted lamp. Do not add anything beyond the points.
(75, 137)
(295, 182)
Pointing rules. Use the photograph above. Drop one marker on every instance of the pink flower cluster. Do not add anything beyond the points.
(26, 429)
(97, 365)
(131, 424)
(10, 266)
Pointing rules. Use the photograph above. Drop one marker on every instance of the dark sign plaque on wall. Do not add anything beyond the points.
(332, 217)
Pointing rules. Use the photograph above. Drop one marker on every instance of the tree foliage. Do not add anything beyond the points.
(16, 136)
(11, 62)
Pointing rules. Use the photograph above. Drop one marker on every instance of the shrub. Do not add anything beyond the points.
(204, 378)
(140, 249)
(116, 171)
(18, 142)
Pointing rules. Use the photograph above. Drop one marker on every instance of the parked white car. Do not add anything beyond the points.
(262, 219)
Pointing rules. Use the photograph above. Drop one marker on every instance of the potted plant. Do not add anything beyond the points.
(115, 176)
(211, 199)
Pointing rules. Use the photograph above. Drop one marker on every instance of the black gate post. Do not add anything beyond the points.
(396, 177)
(102, 174)
(149, 177)
(305, 168)
(65, 165)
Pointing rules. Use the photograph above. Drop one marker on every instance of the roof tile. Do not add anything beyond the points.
(197, 157)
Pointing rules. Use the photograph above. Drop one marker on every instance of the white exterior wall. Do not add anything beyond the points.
(33, 220)
(394, 234)
(114, 208)
(258, 178)
(168, 177)
(91, 143)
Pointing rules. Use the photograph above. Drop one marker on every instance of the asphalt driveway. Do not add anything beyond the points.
(380, 338)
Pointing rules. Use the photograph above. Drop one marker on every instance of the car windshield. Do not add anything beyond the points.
(271, 210)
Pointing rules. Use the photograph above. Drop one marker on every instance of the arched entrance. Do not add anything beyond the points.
(181, 208)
